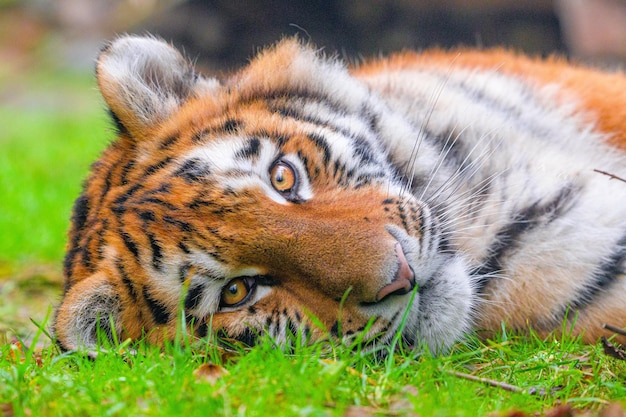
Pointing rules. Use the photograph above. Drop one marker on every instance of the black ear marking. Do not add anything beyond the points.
(120, 129)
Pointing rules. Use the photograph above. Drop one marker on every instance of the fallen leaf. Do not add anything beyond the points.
(209, 373)
(613, 410)
(6, 410)
(564, 410)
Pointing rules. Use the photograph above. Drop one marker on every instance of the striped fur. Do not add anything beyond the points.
(465, 180)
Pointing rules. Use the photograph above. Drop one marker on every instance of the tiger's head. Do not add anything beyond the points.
(265, 202)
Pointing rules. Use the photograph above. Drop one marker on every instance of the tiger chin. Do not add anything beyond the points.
(423, 196)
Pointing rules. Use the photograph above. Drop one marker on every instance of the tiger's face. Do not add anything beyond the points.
(262, 203)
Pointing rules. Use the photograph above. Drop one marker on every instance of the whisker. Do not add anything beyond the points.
(467, 195)
(462, 171)
(434, 99)
(442, 157)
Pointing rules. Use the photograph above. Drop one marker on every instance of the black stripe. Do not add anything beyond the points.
(248, 336)
(297, 114)
(193, 170)
(605, 275)
(513, 113)
(126, 171)
(507, 239)
(79, 220)
(161, 189)
(80, 212)
(362, 146)
(118, 204)
(169, 142)
(158, 309)
(231, 126)
(322, 144)
(130, 286)
(363, 149)
(298, 96)
(120, 129)
(199, 136)
(293, 328)
(202, 330)
(158, 201)
(300, 116)
(86, 254)
(190, 319)
(194, 295)
(250, 150)
(147, 216)
(104, 227)
(196, 204)
(183, 272)
(184, 248)
(157, 252)
(107, 184)
(402, 215)
(338, 169)
(157, 167)
(456, 153)
(184, 226)
(130, 244)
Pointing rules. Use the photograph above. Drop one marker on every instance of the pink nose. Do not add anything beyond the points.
(403, 282)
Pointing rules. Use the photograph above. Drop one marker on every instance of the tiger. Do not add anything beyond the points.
(417, 198)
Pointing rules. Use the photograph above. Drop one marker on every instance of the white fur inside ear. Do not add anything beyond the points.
(144, 80)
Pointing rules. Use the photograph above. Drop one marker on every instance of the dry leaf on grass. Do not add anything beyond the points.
(6, 410)
(613, 410)
(209, 373)
(564, 410)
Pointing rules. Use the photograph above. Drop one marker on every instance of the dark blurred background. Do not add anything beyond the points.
(222, 34)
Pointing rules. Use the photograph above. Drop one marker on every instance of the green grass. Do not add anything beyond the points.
(313, 380)
(45, 154)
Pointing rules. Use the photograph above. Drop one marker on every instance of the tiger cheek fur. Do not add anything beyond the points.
(405, 195)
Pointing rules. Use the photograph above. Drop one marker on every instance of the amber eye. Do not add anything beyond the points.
(284, 178)
(236, 291)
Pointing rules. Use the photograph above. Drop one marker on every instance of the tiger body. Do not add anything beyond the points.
(460, 188)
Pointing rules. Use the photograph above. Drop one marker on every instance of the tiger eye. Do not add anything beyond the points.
(283, 177)
(234, 292)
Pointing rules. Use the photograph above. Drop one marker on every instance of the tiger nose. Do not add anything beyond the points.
(403, 282)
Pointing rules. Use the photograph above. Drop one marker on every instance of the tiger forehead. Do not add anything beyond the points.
(195, 124)
(247, 134)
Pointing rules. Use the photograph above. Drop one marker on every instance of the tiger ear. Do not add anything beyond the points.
(144, 80)
(90, 309)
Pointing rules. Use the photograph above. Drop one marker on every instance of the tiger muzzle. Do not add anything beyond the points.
(403, 282)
